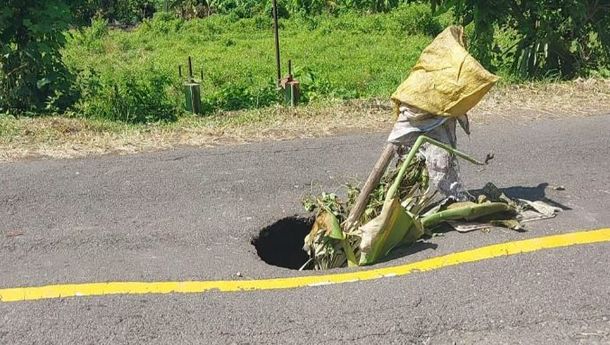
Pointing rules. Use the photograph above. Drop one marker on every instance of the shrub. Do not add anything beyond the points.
(312, 85)
(33, 76)
(91, 37)
(161, 23)
(553, 38)
(416, 19)
(121, 11)
(127, 96)
(235, 97)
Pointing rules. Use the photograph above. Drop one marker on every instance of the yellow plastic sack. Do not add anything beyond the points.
(446, 80)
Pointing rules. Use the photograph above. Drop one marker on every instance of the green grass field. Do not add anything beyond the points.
(347, 56)
(131, 75)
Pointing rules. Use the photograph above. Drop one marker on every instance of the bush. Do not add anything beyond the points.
(33, 76)
(312, 85)
(162, 23)
(132, 97)
(235, 97)
(416, 19)
(406, 20)
(125, 12)
(552, 38)
(91, 37)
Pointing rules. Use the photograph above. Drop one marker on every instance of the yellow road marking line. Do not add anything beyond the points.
(478, 254)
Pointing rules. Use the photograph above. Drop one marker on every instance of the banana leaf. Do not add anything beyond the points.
(327, 242)
(392, 227)
(465, 211)
(331, 222)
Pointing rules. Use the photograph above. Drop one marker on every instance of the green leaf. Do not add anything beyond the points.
(349, 253)
(333, 226)
(42, 83)
(466, 211)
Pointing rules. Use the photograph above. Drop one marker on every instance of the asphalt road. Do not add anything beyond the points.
(189, 214)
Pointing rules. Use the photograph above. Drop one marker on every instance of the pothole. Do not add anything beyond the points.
(281, 243)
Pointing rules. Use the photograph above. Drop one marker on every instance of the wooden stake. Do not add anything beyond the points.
(373, 180)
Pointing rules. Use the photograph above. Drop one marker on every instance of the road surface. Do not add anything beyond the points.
(189, 215)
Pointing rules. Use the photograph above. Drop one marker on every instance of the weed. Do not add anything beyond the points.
(128, 97)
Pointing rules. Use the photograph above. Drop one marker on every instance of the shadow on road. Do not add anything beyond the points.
(537, 193)
(405, 251)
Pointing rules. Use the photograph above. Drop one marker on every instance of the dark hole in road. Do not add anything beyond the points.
(281, 243)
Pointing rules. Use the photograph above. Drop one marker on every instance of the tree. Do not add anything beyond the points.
(125, 12)
(32, 74)
(562, 37)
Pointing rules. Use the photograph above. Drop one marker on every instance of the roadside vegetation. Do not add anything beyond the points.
(336, 57)
(116, 62)
(59, 136)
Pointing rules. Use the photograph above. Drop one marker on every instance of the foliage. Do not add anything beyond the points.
(553, 37)
(121, 11)
(326, 248)
(332, 58)
(416, 18)
(238, 8)
(91, 37)
(341, 49)
(312, 85)
(235, 96)
(416, 176)
(549, 37)
(403, 213)
(128, 96)
(316, 7)
(132, 11)
(33, 76)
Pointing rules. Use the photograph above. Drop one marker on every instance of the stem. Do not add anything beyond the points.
(349, 253)
(467, 213)
(419, 142)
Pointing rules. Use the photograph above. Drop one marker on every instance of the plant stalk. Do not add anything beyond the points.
(419, 142)
(467, 213)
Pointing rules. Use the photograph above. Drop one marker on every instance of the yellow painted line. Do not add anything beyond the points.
(126, 288)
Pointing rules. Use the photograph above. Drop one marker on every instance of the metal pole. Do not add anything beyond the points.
(190, 69)
(277, 43)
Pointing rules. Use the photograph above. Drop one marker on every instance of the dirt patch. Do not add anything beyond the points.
(531, 101)
(281, 244)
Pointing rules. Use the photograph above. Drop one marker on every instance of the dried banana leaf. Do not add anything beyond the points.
(328, 244)
(386, 231)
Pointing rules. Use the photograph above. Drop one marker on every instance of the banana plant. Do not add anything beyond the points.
(399, 222)
(395, 225)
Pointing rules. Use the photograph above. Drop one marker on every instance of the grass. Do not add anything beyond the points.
(348, 56)
(349, 65)
(132, 75)
(62, 137)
